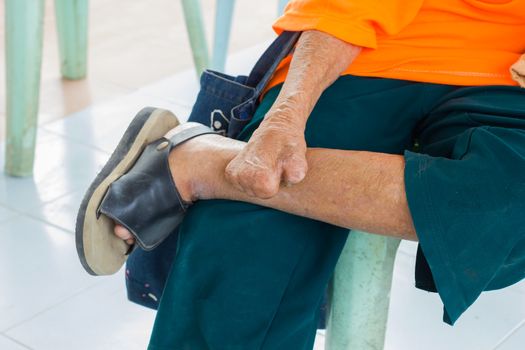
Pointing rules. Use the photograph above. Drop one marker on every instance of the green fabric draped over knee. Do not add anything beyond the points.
(466, 193)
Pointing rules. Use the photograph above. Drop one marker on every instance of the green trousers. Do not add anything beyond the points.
(247, 277)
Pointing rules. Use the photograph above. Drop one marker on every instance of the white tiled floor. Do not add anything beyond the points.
(48, 302)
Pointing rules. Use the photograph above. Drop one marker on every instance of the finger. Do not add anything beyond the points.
(295, 168)
(254, 176)
(262, 178)
(253, 181)
(263, 184)
(244, 178)
(122, 233)
(241, 178)
(232, 175)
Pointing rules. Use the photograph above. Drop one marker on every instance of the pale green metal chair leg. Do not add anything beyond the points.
(72, 28)
(281, 5)
(195, 28)
(223, 23)
(24, 20)
(360, 291)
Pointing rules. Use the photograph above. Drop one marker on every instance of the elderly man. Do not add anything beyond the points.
(393, 117)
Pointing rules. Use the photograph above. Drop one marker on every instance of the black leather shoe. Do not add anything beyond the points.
(134, 188)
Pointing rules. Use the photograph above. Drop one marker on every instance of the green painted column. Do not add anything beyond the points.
(360, 293)
(72, 28)
(280, 6)
(223, 24)
(195, 28)
(24, 20)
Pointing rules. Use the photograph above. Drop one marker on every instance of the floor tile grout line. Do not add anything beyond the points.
(11, 215)
(4, 206)
(116, 85)
(74, 140)
(140, 91)
(48, 201)
(178, 103)
(16, 341)
(91, 145)
(36, 218)
(19, 212)
(3, 332)
(50, 307)
(100, 102)
(509, 335)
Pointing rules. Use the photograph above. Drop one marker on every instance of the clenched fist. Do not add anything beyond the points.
(275, 154)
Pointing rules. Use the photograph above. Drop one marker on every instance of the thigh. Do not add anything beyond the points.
(248, 277)
(235, 265)
(466, 191)
(360, 113)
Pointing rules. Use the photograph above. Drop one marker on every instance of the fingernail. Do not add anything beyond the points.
(299, 175)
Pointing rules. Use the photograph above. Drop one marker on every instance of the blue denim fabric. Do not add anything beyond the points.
(227, 103)
(147, 272)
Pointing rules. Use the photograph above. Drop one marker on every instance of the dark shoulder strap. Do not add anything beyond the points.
(263, 70)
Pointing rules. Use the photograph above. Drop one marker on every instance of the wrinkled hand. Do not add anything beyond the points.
(517, 71)
(275, 153)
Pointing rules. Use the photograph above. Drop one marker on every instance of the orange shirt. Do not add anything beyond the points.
(458, 42)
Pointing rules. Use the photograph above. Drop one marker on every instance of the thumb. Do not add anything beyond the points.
(294, 169)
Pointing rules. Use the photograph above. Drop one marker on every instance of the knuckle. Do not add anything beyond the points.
(231, 175)
(295, 163)
(265, 187)
(261, 180)
(294, 176)
(229, 172)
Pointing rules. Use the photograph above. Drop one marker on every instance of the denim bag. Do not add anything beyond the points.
(226, 104)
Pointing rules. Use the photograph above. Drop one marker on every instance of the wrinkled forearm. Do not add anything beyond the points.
(318, 60)
(276, 152)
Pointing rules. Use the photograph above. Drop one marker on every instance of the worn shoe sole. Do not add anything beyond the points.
(100, 251)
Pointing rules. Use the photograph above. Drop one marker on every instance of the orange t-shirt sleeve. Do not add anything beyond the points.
(353, 21)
